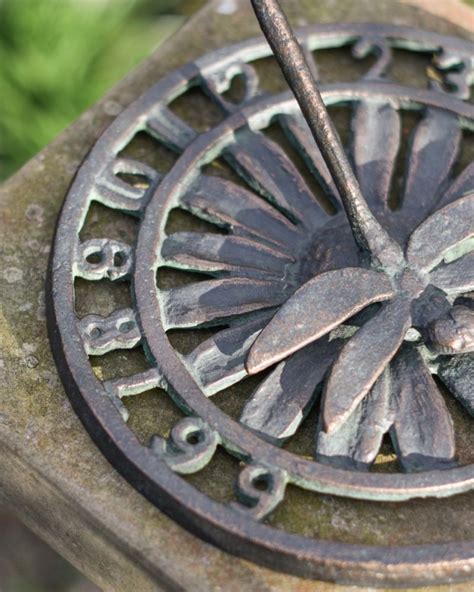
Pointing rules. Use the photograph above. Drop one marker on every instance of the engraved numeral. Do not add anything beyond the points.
(260, 490)
(459, 73)
(190, 447)
(218, 82)
(381, 49)
(132, 385)
(101, 335)
(130, 192)
(101, 258)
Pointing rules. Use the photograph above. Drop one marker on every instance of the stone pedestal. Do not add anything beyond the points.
(51, 474)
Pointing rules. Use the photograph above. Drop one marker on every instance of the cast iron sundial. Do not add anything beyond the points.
(335, 294)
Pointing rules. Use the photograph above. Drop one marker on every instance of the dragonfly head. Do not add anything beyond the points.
(453, 333)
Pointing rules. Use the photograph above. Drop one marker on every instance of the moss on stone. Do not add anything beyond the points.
(66, 475)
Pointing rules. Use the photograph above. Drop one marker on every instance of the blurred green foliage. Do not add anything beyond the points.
(59, 56)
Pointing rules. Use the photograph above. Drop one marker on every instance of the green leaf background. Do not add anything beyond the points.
(57, 57)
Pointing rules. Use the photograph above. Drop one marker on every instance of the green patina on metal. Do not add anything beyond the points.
(269, 247)
(305, 513)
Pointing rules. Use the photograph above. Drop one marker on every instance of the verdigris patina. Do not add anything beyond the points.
(289, 284)
(325, 515)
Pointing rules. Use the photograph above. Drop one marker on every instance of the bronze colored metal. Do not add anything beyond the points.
(365, 304)
(370, 236)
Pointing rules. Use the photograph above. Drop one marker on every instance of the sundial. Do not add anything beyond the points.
(346, 298)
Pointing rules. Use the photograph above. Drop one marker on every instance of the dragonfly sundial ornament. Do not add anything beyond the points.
(342, 306)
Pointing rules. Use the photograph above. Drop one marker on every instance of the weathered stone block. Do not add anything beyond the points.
(51, 474)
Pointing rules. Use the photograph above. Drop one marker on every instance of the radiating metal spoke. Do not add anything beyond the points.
(370, 236)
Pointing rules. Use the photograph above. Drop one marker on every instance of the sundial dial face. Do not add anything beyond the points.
(271, 283)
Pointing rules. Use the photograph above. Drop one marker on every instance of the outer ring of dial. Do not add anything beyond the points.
(211, 520)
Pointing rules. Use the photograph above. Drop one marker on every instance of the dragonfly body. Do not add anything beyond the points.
(453, 333)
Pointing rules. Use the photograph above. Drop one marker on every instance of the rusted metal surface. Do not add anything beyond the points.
(366, 304)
